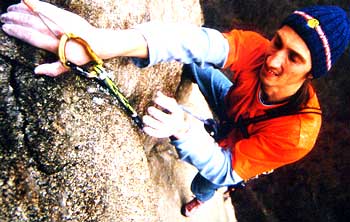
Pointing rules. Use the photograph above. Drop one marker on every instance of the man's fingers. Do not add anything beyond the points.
(162, 124)
(32, 37)
(26, 20)
(151, 122)
(60, 17)
(166, 102)
(34, 6)
(50, 69)
(20, 7)
(155, 133)
(155, 128)
(158, 114)
(75, 52)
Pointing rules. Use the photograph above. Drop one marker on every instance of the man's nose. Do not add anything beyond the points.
(276, 59)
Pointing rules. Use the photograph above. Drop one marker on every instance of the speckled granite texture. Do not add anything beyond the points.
(67, 150)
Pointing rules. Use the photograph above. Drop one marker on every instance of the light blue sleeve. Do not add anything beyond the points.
(213, 162)
(186, 43)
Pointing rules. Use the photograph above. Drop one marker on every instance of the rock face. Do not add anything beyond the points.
(67, 150)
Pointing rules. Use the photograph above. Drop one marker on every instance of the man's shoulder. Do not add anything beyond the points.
(247, 34)
(246, 49)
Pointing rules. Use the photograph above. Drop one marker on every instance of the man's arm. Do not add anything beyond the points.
(152, 42)
(192, 142)
(22, 23)
(186, 43)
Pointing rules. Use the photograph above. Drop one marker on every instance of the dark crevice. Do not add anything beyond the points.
(16, 63)
(13, 82)
(15, 85)
(5, 4)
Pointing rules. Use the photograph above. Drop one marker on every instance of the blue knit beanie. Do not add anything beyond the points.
(326, 32)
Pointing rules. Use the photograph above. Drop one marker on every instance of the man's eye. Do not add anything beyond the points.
(277, 43)
(292, 57)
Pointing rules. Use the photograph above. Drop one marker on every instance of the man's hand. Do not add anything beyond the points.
(166, 121)
(24, 24)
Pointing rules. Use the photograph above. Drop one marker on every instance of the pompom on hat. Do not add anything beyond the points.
(326, 32)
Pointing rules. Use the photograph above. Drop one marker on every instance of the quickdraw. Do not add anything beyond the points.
(96, 70)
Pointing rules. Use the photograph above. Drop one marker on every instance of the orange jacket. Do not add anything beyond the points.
(274, 142)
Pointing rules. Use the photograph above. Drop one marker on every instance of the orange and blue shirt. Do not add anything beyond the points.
(272, 143)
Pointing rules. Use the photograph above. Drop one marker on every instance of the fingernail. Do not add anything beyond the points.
(5, 28)
(37, 71)
(10, 8)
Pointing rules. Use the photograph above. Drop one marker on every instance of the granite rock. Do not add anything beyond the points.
(68, 152)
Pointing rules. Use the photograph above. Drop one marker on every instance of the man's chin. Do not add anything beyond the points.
(267, 80)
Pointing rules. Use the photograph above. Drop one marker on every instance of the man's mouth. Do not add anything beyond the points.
(270, 72)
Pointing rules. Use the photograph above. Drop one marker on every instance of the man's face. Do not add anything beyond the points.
(287, 63)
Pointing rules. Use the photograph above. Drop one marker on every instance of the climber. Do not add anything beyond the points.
(271, 79)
